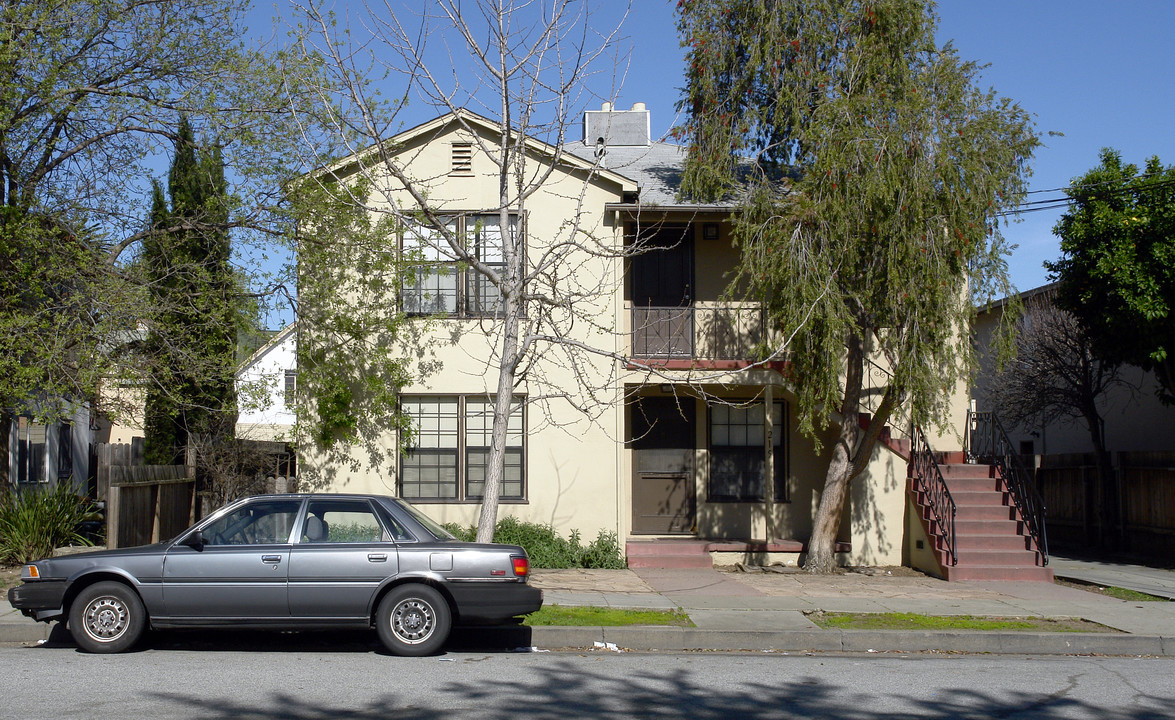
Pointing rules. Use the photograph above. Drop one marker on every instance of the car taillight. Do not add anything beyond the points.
(521, 566)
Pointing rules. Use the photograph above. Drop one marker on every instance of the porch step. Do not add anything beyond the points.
(970, 513)
(968, 541)
(675, 554)
(979, 498)
(1004, 574)
(964, 471)
(972, 483)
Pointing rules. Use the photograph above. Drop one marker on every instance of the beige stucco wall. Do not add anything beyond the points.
(571, 461)
(578, 471)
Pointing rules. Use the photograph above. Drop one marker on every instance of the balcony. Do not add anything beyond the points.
(731, 334)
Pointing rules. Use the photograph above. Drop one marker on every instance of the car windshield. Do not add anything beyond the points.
(429, 524)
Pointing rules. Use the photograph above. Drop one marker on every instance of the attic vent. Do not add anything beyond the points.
(462, 159)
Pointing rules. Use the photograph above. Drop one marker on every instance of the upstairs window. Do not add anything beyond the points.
(291, 387)
(437, 284)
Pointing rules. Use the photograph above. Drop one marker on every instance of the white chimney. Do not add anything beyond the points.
(616, 128)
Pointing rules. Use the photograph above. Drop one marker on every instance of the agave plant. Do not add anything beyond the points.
(35, 521)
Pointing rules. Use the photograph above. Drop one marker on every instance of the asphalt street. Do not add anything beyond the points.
(297, 679)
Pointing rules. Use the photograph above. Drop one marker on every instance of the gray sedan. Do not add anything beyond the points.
(287, 561)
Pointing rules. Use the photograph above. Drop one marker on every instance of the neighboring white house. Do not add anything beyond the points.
(266, 385)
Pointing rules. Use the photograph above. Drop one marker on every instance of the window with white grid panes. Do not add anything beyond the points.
(484, 235)
(431, 284)
(428, 468)
(737, 462)
(438, 284)
(449, 456)
(479, 426)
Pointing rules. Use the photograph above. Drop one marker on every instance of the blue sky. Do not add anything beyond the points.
(1099, 72)
(1102, 73)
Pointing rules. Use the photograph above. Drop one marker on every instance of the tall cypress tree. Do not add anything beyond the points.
(197, 309)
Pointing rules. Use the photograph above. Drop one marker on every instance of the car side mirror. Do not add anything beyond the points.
(195, 540)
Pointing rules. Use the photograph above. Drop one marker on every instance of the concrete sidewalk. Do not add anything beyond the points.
(766, 612)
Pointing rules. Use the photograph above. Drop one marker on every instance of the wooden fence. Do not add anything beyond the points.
(1145, 486)
(144, 503)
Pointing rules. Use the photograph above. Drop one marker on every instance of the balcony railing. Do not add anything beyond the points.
(698, 332)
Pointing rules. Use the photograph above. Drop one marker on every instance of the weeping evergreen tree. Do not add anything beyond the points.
(871, 172)
(196, 307)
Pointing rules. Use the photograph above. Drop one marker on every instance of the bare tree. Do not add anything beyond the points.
(524, 66)
(1055, 375)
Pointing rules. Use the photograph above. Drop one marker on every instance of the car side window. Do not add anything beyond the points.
(342, 521)
(265, 522)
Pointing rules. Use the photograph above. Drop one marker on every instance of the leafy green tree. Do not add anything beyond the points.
(1117, 266)
(870, 172)
(89, 95)
(349, 372)
(197, 307)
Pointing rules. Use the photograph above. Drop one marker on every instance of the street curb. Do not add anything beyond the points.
(28, 632)
(677, 639)
(994, 642)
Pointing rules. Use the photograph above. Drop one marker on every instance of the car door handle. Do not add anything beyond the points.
(377, 557)
(271, 558)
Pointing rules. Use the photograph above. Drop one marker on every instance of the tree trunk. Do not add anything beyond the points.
(850, 455)
(1109, 534)
(513, 251)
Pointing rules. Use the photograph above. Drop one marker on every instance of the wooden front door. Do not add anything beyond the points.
(662, 440)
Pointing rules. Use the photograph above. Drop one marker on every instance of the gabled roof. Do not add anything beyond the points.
(264, 350)
(1024, 296)
(468, 119)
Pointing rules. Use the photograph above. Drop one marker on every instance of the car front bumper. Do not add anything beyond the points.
(40, 600)
(494, 602)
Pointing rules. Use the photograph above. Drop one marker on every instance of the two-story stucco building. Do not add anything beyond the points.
(687, 432)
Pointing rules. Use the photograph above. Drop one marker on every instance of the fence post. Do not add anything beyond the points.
(112, 495)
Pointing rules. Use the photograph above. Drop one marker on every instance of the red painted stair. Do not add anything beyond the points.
(990, 537)
(668, 553)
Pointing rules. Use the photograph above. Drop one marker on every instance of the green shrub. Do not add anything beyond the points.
(546, 549)
(468, 533)
(35, 521)
(604, 552)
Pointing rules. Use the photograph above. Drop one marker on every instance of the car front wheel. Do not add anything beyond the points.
(107, 617)
(413, 620)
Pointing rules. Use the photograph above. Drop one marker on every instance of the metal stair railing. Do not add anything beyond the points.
(987, 443)
(929, 482)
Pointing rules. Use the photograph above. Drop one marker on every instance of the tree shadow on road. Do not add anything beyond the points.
(563, 689)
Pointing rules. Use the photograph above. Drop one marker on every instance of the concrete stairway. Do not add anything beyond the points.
(991, 538)
(668, 553)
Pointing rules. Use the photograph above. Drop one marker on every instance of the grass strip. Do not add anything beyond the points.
(590, 616)
(914, 621)
(1131, 595)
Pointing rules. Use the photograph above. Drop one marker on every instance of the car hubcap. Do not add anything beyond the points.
(106, 619)
(413, 621)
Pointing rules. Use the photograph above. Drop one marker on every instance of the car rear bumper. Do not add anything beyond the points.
(494, 602)
(41, 600)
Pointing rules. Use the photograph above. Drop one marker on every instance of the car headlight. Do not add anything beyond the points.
(30, 572)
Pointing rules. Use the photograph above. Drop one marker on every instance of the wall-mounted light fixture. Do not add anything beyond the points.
(709, 231)
(666, 388)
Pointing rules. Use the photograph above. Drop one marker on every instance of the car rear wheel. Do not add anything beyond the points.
(413, 620)
(107, 617)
